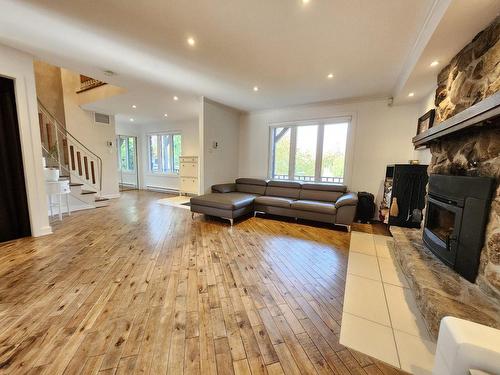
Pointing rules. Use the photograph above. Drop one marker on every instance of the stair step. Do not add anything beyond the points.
(101, 199)
(75, 184)
(88, 192)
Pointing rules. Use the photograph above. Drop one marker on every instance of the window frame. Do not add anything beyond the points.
(159, 135)
(321, 122)
(127, 137)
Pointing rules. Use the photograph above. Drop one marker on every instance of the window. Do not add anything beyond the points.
(126, 153)
(310, 151)
(164, 152)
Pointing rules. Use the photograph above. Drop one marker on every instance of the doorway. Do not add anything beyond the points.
(14, 213)
(128, 176)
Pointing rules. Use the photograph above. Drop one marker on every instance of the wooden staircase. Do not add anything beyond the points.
(75, 161)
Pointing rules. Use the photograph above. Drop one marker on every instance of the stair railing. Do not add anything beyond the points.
(64, 151)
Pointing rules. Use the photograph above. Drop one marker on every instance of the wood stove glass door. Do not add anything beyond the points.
(442, 227)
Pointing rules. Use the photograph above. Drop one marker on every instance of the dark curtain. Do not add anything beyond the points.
(14, 214)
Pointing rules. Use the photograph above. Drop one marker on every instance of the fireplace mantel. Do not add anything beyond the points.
(476, 115)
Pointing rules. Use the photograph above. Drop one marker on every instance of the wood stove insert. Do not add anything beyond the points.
(456, 215)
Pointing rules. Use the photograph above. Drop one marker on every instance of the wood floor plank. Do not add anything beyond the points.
(139, 287)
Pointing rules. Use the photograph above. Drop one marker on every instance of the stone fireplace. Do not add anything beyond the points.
(464, 143)
(473, 75)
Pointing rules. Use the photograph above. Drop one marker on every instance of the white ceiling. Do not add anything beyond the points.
(283, 46)
(461, 22)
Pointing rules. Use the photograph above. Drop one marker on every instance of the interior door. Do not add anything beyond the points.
(128, 175)
(14, 214)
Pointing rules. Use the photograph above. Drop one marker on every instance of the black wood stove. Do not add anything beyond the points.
(456, 216)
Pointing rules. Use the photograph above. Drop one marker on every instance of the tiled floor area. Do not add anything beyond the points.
(380, 316)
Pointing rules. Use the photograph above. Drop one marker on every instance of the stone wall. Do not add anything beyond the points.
(472, 75)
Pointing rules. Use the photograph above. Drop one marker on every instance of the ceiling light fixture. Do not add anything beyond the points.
(134, 106)
(176, 98)
(305, 1)
(191, 41)
(329, 76)
(255, 88)
(165, 115)
(434, 63)
(131, 119)
(411, 94)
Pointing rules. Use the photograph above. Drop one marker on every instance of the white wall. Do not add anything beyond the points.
(382, 135)
(19, 66)
(94, 136)
(221, 124)
(190, 147)
(424, 154)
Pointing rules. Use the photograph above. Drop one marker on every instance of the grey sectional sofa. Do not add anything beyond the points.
(328, 203)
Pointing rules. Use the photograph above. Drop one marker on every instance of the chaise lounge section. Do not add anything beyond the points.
(328, 203)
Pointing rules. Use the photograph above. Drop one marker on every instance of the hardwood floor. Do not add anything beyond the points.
(138, 287)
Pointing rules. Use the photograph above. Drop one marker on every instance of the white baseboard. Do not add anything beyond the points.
(162, 189)
(111, 196)
(44, 231)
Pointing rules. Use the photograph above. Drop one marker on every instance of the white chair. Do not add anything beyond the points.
(465, 348)
(58, 188)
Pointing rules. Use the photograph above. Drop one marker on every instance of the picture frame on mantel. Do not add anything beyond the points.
(425, 122)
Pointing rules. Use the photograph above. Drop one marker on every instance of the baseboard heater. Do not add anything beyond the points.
(162, 189)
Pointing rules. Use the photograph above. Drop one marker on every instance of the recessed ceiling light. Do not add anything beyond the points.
(134, 106)
(131, 119)
(411, 94)
(165, 115)
(329, 76)
(255, 88)
(434, 63)
(305, 1)
(191, 41)
(176, 98)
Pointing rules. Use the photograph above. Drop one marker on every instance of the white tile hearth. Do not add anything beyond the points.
(365, 298)
(391, 274)
(404, 312)
(382, 245)
(370, 338)
(362, 243)
(363, 265)
(380, 316)
(415, 354)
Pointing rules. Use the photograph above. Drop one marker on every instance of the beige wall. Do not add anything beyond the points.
(381, 135)
(424, 154)
(190, 147)
(94, 136)
(19, 66)
(221, 124)
(49, 89)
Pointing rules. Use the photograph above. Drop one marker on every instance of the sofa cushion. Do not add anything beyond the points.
(273, 201)
(314, 206)
(251, 185)
(288, 189)
(324, 187)
(226, 201)
(322, 192)
(348, 199)
(223, 188)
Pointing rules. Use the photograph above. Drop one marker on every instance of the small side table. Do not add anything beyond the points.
(58, 188)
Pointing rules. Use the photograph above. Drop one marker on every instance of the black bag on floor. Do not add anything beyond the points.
(366, 207)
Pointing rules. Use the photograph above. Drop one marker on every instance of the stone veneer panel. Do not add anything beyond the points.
(472, 75)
